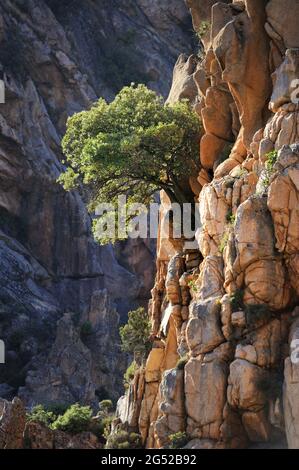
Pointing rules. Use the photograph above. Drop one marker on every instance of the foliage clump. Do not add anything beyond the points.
(271, 160)
(178, 440)
(136, 333)
(106, 406)
(133, 146)
(75, 420)
(193, 285)
(124, 440)
(129, 374)
(39, 414)
(204, 28)
(224, 241)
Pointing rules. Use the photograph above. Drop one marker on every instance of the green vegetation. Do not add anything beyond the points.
(230, 218)
(39, 414)
(193, 286)
(124, 440)
(178, 440)
(135, 334)
(224, 241)
(204, 28)
(75, 420)
(271, 159)
(133, 146)
(106, 406)
(129, 374)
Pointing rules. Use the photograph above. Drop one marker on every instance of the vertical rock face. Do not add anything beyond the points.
(12, 424)
(56, 58)
(230, 308)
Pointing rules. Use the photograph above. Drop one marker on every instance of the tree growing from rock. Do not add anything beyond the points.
(134, 146)
(136, 333)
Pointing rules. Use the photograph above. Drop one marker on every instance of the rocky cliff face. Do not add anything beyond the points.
(225, 315)
(56, 58)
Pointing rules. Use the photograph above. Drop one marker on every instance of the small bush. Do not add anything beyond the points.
(124, 445)
(192, 286)
(271, 159)
(75, 420)
(106, 423)
(223, 242)
(130, 372)
(39, 414)
(230, 218)
(135, 334)
(101, 426)
(204, 28)
(178, 440)
(135, 438)
(124, 440)
(106, 405)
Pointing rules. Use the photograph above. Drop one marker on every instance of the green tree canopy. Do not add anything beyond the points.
(136, 333)
(133, 146)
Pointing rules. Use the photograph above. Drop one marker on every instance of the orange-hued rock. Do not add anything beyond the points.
(244, 386)
(148, 410)
(242, 49)
(257, 265)
(153, 365)
(226, 309)
(216, 115)
(201, 11)
(211, 147)
(205, 392)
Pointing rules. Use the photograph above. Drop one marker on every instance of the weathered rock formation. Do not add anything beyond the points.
(56, 58)
(224, 366)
